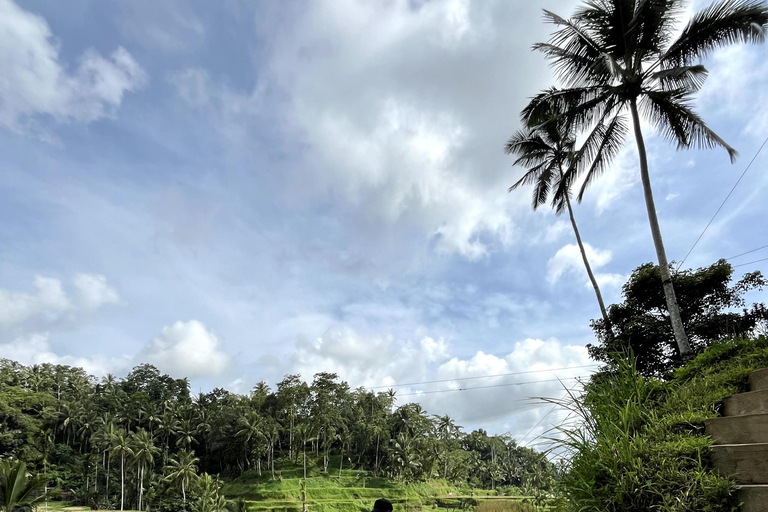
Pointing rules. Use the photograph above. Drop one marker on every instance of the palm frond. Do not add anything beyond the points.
(690, 78)
(576, 108)
(603, 148)
(574, 53)
(675, 119)
(722, 23)
(653, 25)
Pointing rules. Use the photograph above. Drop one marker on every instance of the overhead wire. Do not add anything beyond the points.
(750, 262)
(748, 252)
(483, 376)
(419, 393)
(723, 203)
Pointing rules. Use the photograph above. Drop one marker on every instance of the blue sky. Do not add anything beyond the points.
(234, 191)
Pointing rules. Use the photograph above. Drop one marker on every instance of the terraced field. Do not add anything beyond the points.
(352, 491)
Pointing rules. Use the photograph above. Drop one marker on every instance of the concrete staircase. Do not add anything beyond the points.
(742, 442)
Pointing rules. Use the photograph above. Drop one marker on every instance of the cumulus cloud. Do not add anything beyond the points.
(34, 348)
(475, 389)
(186, 349)
(567, 260)
(36, 83)
(51, 305)
(396, 110)
(93, 290)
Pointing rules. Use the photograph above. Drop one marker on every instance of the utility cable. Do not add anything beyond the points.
(750, 263)
(419, 393)
(537, 424)
(748, 252)
(723, 203)
(483, 376)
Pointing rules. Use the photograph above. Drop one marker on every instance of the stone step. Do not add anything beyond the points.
(754, 498)
(758, 379)
(748, 462)
(753, 402)
(747, 429)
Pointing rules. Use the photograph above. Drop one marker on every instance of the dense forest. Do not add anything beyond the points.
(138, 442)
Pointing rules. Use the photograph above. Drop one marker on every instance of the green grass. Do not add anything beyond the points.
(640, 443)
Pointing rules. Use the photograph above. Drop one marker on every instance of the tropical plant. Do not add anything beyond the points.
(144, 451)
(121, 445)
(18, 490)
(182, 471)
(625, 55)
(549, 153)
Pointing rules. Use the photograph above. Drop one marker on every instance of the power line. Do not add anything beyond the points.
(750, 262)
(482, 377)
(748, 252)
(538, 423)
(723, 203)
(491, 386)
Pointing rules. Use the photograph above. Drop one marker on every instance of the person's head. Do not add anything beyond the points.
(382, 505)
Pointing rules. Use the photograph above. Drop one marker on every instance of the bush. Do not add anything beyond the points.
(638, 444)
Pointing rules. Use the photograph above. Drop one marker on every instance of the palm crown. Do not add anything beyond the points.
(613, 53)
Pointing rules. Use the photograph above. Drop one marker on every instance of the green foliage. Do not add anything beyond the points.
(639, 444)
(708, 306)
(20, 491)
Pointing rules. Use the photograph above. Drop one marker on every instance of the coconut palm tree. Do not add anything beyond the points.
(625, 56)
(182, 470)
(144, 451)
(549, 153)
(121, 445)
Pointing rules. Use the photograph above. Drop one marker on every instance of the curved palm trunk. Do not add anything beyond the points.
(666, 278)
(586, 263)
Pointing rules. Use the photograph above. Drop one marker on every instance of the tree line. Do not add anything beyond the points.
(144, 440)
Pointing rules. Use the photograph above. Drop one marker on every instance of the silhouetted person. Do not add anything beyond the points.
(382, 505)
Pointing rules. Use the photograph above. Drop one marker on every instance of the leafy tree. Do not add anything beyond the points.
(709, 308)
(625, 55)
(121, 445)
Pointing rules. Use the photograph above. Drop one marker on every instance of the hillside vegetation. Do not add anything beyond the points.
(639, 443)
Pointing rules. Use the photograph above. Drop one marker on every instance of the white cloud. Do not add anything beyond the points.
(50, 301)
(186, 349)
(567, 260)
(50, 304)
(380, 362)
(94, 291)
(35, 83)
(403, 111)
(34, 348)
(736, 86)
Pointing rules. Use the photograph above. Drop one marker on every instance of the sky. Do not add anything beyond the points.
(235, 191)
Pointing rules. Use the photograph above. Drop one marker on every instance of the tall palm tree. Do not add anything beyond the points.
(549, 152)
(305, 433)
(19, 491)
(182, 470)
(616, 56)
(121, 445)
(144, 451)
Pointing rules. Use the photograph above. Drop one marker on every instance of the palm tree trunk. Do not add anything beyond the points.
(122, 480)
(586, 263)
(666, 279)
